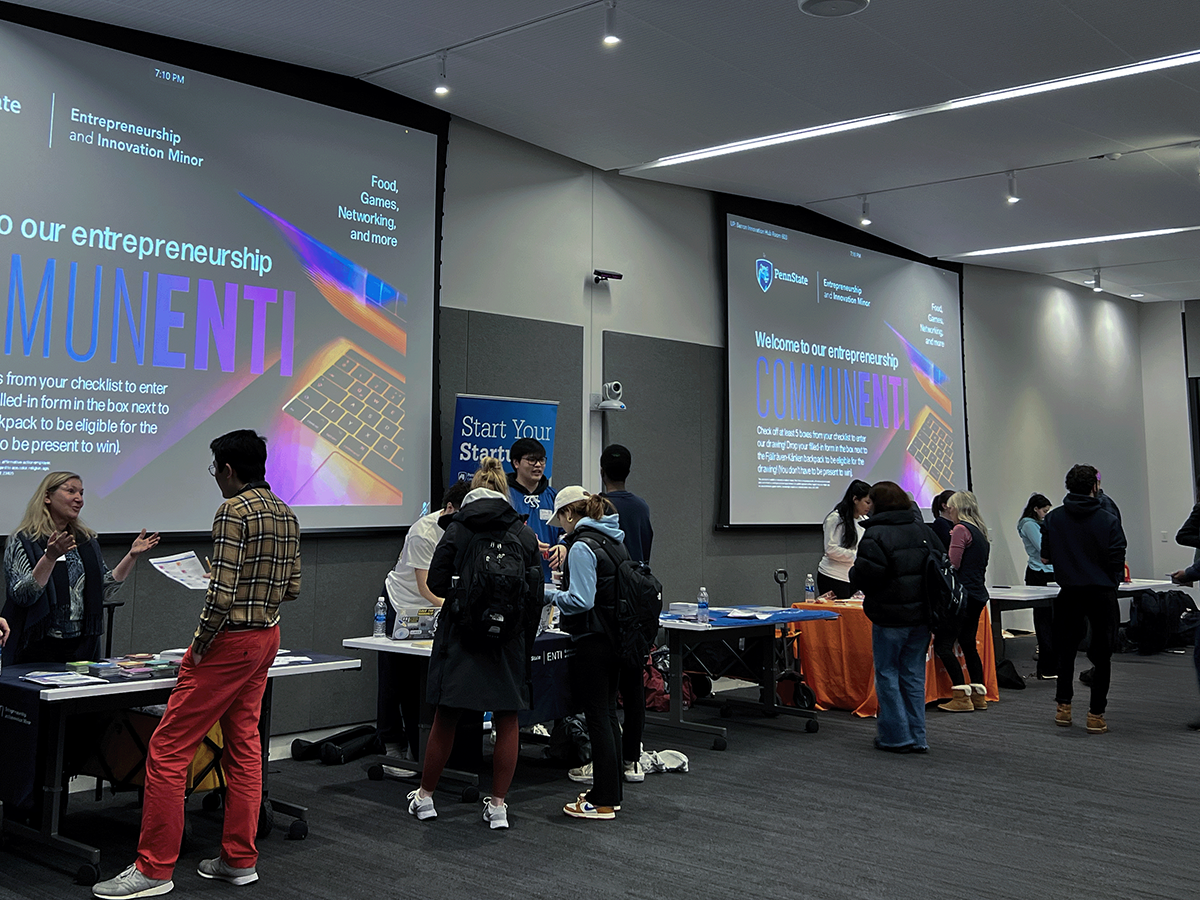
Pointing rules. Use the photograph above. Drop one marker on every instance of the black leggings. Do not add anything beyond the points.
(962, 633)
(1043, 625)
(843, 590)
(631, 685)
(593, 672)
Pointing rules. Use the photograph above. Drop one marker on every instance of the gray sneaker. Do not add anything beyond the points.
(421, 807)
(132, 883)
(495, 816)
(222, 871)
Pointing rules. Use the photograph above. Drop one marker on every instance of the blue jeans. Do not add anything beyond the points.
(900, 684)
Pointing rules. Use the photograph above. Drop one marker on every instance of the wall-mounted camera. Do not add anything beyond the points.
(604, 275)
(609, 398)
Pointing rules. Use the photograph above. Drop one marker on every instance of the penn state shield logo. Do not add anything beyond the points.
(765, 270)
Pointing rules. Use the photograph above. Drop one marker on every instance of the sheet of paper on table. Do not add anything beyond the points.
(61, 679)
(184, 568)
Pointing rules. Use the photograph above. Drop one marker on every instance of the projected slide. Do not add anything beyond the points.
(843, 364)
(184, 255)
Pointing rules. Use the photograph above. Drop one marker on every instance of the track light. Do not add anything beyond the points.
(1012, 188)
(865, 219)
(610, 24)
(1096, 283)
(442, 88)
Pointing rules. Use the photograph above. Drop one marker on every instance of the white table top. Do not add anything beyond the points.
(1030, 592)
(134, 686)
(387, 645)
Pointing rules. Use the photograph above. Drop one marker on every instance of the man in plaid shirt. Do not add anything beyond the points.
(255, 567)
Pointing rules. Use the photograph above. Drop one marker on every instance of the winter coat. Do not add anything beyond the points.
(890, 569)
(1084, 542)
(499, 680)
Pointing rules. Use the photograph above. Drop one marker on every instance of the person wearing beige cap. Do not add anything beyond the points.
(587, 602)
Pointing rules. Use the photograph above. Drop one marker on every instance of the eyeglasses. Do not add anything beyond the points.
(212, 469)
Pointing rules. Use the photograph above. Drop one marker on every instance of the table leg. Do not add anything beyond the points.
(674, 719)
(997, 632)
(297, 812)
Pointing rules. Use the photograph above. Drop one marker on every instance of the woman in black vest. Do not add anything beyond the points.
(969, 550)
(587, 604)
(57, 611)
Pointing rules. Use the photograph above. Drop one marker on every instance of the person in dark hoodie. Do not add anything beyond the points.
(890, 571)
(1086, 545)
(492, 679)
(533, 499)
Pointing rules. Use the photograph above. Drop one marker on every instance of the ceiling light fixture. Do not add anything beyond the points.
(1026, 90)
(611, 38)
(1012, 188)
(1096, 284)
(865, 219)
(442, 88)
(1076, 242)
(832, 9)
(1136, 296)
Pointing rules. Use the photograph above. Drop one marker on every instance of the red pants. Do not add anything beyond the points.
(227, 686)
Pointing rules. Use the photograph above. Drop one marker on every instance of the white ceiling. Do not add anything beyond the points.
(694, 74)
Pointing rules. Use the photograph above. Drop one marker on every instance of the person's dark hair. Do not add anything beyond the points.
(615, 462)
(1036, 501)
(245, 450)
(887, 496)
(939, 503)
(845, 510)
(1082, 478)
(523, 447)
(455, 493)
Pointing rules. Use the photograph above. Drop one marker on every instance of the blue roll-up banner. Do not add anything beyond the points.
(488, 426)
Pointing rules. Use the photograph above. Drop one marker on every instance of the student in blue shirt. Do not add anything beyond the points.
(533, 499)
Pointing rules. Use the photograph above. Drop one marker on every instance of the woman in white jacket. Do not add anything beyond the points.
(842, 531)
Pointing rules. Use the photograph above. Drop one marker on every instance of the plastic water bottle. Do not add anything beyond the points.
(702, 606)
(380, 618)
(810, 589)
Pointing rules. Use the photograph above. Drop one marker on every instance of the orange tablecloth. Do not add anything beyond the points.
(836, 658)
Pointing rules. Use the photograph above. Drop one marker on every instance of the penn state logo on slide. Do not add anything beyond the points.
(765, 271)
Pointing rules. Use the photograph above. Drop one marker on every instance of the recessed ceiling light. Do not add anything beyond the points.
(832, 9)
(1137, 295)
(1026, 90)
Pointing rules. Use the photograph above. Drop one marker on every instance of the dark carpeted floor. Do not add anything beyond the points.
(1005, 805)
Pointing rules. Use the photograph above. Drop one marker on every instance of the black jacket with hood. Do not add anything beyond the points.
(1084, 542)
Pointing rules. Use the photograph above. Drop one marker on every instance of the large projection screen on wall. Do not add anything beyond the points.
(844, 363)
(183, 255)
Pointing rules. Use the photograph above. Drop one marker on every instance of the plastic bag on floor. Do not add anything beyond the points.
(664, 761)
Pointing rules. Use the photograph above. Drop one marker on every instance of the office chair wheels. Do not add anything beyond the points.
(298, 830)
(470, 794)
(808, 700)
(266, 819)
(719, 743)
(211, 801)
(375, 773)
(812, 726)
(88, 874)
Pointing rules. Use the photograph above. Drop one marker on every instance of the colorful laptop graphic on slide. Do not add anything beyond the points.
(345, 424)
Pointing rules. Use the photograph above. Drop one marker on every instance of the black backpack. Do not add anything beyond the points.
(639, 600)
(944, 593)
(491, 607)
(1158, 620)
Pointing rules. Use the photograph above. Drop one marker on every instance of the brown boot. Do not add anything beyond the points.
(961, 702)
(978, 696)
(1096, 724)
(1062, 716)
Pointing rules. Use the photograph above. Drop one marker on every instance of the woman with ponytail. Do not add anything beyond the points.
(587, 603)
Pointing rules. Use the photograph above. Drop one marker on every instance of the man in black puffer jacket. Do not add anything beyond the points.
(1086, 544)
(890, 571)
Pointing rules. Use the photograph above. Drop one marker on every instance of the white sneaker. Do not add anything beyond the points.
(495, 816)
(421, 807)
(633, 772)
(583, 774)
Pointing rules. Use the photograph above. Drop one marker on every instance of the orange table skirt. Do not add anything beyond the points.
(837, 662)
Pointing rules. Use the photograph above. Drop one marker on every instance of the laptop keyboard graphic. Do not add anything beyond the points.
(357, 406)
(933, 448)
